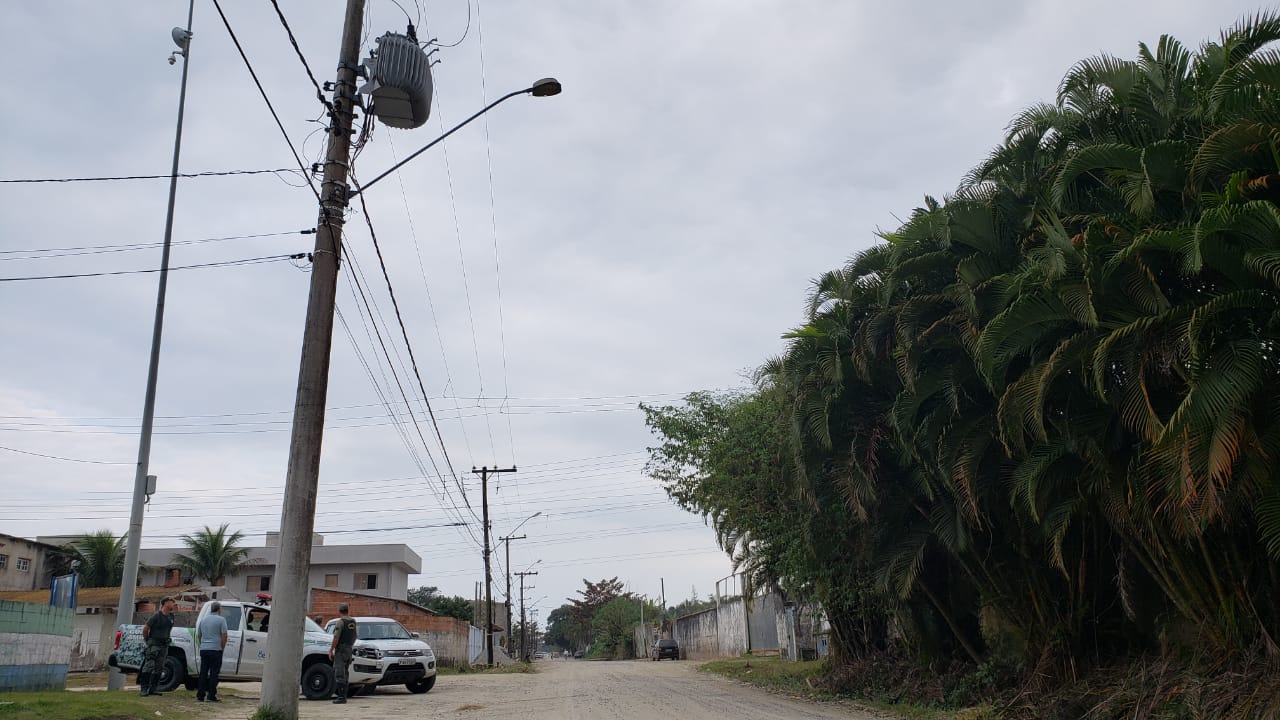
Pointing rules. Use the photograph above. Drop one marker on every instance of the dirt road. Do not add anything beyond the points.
(575, 690)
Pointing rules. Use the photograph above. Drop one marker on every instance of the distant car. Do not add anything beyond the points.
(578, 653)
(540, 655)
(666, 648)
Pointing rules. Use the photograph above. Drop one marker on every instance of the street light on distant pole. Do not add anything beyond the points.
(507, 541)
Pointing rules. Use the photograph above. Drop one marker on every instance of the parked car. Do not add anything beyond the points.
(244, 657)
(386, 653)
(540, 655)
(665, 648)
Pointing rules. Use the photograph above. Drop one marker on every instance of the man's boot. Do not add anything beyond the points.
(340, 695)
(144, 684)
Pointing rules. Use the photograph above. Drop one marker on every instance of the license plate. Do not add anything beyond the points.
(408, 661)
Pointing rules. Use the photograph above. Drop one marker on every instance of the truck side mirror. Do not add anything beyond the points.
(414, 635)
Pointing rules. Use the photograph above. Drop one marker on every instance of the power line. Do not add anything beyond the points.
(267, 100)
(59, 457)
(364, 208)
(129, 247)
(302, 58)
(225, 263)
(209, 173)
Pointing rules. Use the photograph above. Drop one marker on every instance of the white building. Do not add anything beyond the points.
(381, 570)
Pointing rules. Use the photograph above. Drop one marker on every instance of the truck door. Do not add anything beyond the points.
(253, 646)
(231, 653)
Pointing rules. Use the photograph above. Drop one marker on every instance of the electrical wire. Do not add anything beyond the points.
(465, 31)
(249, 66)
(302, 58)
(225, 263)
(59, 457)
(47, 253)
(405, 333)
(208, 173)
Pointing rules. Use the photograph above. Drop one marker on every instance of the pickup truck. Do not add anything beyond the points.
(243, 658)
(386, 653)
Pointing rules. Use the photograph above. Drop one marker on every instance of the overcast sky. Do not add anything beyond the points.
(650, 232)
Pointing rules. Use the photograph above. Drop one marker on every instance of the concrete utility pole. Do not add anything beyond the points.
(281, 676)
(133, 540)
(524, 625)
(484, 473)
(507, 541)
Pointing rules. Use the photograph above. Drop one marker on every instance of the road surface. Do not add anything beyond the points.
(570, 690)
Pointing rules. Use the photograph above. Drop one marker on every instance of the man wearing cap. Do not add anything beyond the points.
(344, 640)
(212, 631)
(156, 634)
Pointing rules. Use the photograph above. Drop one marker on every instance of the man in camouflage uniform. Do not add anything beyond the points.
(344, 640)
(156, 633)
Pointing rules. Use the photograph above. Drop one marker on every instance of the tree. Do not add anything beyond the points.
(212, 554)
(564, 631)
(453, 606)
(594, 597)
(613, 626)
(99, 558)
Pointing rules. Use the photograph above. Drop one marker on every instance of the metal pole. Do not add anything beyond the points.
(281, 676)
(488, 577)
(133, 543)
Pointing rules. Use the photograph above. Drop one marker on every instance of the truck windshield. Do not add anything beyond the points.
(382, 631)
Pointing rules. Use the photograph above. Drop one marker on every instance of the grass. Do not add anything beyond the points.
(123, 705)
(796, 679)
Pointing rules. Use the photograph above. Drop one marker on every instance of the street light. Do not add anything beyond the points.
(546, 87)
(133, 543)
(512, 535)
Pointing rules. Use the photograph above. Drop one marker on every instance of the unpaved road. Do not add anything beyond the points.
(573, 690)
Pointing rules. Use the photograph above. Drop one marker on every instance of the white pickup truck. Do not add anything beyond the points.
(386, 653)
(242, 659)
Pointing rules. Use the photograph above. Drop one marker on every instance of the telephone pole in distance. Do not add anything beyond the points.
(484, 473)
(524, 624)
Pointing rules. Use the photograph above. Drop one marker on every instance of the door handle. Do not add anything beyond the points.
(252, 640)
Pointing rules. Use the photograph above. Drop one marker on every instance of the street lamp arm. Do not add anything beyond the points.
(455, 128)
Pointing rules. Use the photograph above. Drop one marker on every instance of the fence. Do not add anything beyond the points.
(35, 646)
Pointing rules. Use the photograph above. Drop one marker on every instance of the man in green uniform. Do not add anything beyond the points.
(344, 640)
(156, 633)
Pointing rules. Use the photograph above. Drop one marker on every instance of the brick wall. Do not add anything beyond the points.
(447, 636)
(35, 646)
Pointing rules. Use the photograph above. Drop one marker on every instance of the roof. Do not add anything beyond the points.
(37, 543)
(96, 597)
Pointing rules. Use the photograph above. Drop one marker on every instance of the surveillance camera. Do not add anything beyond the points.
(172, 59)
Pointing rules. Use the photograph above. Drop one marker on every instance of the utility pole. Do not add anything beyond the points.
(281, 676)
(507, 541)
(133, 540)
(524, 624)
(484, 473)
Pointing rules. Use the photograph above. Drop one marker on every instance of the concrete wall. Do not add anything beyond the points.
(698, 635)
(447, 636)
(731, 628)
(93, 633)
(35, 646)
(764, 612)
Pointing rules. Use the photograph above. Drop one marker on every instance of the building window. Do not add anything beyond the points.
(331, 580)
(4, 561)
(257, 583)
(24, 565)
(366, 581)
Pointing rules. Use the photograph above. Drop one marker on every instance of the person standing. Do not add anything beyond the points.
(212, 631)
(156, 634)
(344, 640)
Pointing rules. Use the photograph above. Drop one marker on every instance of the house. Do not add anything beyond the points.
(26, 564)
(379, 570)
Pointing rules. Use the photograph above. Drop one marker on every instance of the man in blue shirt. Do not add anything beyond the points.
(212, 631)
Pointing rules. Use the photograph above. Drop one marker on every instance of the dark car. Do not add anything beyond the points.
(666, 648)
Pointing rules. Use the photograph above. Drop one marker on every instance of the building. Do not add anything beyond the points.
(25, 564)
(379, 570)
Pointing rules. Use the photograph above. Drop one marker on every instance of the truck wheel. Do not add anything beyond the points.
(317, 681)
(172, 672)
(421, 685)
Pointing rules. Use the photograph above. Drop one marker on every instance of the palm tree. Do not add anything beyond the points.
(212, 554)
(98, 558)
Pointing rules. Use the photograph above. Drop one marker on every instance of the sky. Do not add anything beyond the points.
(650, 232)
